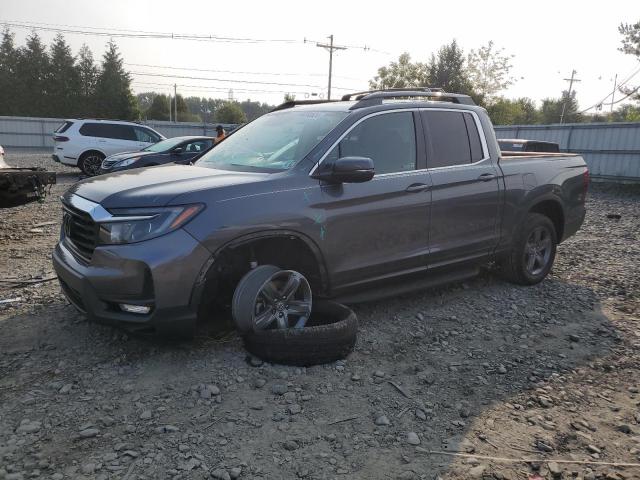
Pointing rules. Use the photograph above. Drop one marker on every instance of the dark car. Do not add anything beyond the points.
(181, 150)
(522, 145)
(350, 200)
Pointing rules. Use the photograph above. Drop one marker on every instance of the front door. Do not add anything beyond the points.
(379, 228)
(465, 196)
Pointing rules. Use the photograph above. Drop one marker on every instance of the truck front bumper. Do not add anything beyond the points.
(159, 274)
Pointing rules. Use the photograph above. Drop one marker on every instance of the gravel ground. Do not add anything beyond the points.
(478, 380)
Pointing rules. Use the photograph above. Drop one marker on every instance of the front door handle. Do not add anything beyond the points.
(417, 187)
(485, 177)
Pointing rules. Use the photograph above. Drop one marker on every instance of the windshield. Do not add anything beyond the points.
(163, 145)
(273, 142)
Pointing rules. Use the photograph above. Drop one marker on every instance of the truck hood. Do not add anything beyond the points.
(156, 186)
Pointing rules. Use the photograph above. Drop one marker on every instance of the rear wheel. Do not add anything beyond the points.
(533, 252)
(90, 163)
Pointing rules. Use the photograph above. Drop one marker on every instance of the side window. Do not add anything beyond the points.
(145, 135)
(388, 139)
(448, 136)
(122, 132)
(92, 130)
(474, 138)
(198, 146)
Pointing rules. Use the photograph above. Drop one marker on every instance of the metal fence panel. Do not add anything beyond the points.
(38, 132)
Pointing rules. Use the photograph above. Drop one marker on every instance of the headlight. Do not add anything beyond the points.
(127, 162)
(129, 225)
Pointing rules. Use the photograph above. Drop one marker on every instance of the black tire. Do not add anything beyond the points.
(243, 301)
(515, 266)
(90, 163)
(330, 335)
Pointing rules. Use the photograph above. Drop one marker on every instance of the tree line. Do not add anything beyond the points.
(485, 73)
(50, 81)
(37, 80)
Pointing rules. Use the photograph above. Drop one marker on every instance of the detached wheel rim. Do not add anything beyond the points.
(537, 251)
(283, 301)
(92, 164)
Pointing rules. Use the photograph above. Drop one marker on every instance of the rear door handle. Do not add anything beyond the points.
(485, 177)
(417, 187)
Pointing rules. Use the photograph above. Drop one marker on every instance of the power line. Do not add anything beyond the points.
(115, 33)
(194, 69)
(220, 89)
(231, 80)
(621, 84)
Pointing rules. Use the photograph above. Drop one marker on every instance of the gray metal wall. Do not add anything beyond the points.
(612, 150)
(37, 132)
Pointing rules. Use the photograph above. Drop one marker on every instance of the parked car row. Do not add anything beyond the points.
(106, 146)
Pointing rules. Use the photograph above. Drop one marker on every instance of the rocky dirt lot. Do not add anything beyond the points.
(477, 380)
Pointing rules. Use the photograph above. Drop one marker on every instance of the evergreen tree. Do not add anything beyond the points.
(114, 98)
(32, 71)
(8, 77)
(88, 76)
(448, 70)
(63, 87)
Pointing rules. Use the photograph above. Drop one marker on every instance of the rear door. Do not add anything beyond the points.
(112, 137)
(465, 195)
(380, 228)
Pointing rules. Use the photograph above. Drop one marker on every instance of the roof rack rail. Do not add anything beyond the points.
(293, 103)
(376, 97)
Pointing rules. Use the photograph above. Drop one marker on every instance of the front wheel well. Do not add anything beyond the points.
(234, 261)
(552, 210)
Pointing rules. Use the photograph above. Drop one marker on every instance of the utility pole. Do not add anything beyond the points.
(613, 94)
(175, 99)
(568, 99)
(331, 48)
(170, 106)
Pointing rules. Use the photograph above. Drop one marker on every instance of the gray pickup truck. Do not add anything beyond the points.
(373, 195)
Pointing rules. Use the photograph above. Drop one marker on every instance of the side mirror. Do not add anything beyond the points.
(178, 150)
(349, 170)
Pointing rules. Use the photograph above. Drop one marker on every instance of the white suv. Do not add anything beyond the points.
(85, 143)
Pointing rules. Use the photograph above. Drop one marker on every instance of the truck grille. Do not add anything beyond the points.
(80, 232)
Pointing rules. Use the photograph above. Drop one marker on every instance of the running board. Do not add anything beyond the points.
(391, 290)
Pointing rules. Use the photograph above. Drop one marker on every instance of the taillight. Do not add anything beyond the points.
(585, 181)
(60, 138)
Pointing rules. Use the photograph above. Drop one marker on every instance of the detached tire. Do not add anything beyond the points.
(330, 335)
(533, 251)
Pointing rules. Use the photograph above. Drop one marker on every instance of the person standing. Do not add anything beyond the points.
(220, 134)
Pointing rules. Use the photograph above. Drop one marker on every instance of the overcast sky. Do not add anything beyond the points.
(547, 38)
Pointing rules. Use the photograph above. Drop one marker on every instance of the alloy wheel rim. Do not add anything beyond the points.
(284, 301)
(537, 251)
(92, 164)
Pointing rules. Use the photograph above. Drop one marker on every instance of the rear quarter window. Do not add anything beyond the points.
(63, 127)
